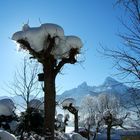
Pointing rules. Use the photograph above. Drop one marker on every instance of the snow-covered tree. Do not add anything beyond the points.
(61, 122)
(70, 105)
(8, 117)
(88, 107)
(109, 113)
(103, 110)
(88, 112)
(32, 118)
(31, 121)
(126, 57)
(25, 83)
(53, 50)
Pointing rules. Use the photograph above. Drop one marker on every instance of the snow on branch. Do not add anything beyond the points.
(38, 39)
(36, 35)
(68, 101)
(70, 105)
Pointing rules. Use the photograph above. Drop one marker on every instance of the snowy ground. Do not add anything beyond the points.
(4, 135)
(115, 136)
(103, 137)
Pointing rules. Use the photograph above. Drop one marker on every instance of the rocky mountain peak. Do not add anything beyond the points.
(83, 85)
(109, 81)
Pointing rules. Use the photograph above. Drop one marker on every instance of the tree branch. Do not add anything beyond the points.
(71, 60)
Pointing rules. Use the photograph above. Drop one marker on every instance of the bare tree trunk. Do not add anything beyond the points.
(49, 100)
(108, 133)
(96, 132)
(89, 132)
(28, 114)
(76, 121)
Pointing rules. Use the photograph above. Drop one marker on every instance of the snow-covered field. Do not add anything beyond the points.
(117, 134)
(69, 135)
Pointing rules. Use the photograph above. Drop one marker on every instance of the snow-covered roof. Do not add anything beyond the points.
(36, 36)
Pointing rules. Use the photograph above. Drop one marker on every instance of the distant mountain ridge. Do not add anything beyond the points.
(110, 86)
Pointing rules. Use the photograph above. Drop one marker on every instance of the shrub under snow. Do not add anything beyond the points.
(6, 107)
(76, 136)
(4, 135)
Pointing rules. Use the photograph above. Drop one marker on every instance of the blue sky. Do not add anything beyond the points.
(94, 21)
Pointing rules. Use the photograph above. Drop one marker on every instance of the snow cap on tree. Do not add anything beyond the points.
(69, 101)
(36, 36)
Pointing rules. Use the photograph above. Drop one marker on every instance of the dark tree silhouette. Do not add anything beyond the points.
(25, 82)
(67, 104)
(127, 57)
(25, 85)
(51, 67)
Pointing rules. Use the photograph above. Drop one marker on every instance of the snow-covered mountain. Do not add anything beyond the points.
(110, 86)
(77, 93)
